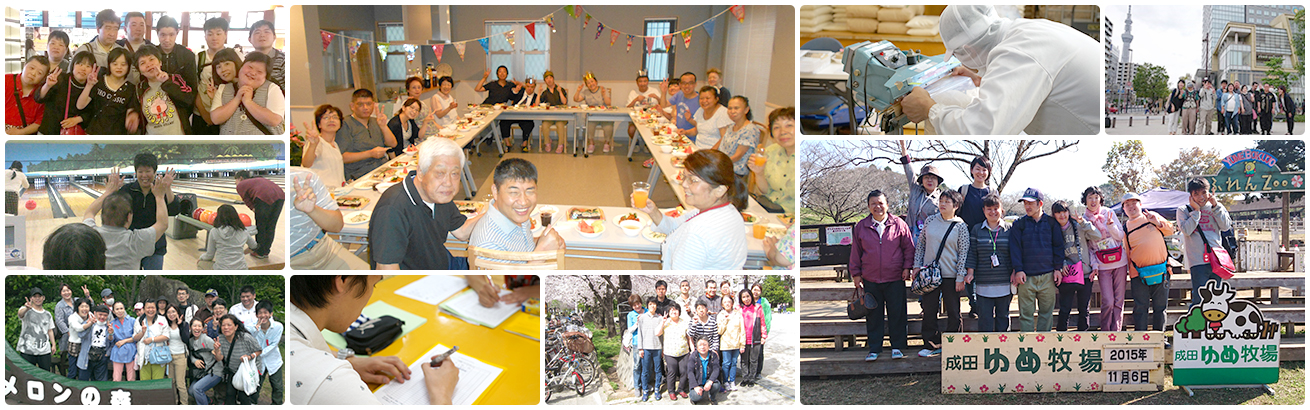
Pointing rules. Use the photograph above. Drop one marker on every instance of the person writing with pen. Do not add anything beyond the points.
(320, 377)
(521, 287)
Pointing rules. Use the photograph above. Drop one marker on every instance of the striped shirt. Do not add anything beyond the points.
(303, 229)
(986, 242)
(497, 232)
(697, 330)
(715, 240)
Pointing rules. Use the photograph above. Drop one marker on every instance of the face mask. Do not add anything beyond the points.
(109, 301)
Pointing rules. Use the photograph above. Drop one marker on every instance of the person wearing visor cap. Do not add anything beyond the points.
(1034, 76)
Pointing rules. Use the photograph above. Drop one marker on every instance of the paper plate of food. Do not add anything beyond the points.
(411, 149)
(675, 212)
(365, 183)
(631, 223)
(678, 160)
(358, 217)
(470, 208)
(749, 218)
(786, 218)
(352, 202)
(342, 191)
(775, 230)
(594, 214)
(652, 236)
(401, 164)
(589, 228)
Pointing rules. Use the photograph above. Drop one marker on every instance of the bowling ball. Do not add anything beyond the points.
(245, 219)
(196, 213)
(31, 204)
(209, 217)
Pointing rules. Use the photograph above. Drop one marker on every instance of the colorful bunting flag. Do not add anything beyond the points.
(599, 28)
(739, 11)
(630, 43)
(686, 38)
(460, 48)
(572, 13)
(667, 41)
(709, 27)
(532, 30)
(437, 49)
(650, 42)
(382, 49)
(327, 38)
(586, 22)
(550, 21)
(354, 46)
(483, 42)
(509, 37)
(614, 35)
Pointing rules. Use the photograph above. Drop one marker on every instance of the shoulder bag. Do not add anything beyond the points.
(76, 129)
(1075, 272)
(930, 277)
(1221, 263)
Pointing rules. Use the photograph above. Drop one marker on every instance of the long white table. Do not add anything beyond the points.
(576, 116)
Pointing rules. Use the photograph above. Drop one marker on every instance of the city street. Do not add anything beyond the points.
(1157, 127)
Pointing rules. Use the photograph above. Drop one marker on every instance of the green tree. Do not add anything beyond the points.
(1276, 76)
(1128, 167)
(1190, 163)
(1298, 42)
(776, 290)
(1151, 82)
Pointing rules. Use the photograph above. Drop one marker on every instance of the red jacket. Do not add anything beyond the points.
(881, 259)
(750, 317)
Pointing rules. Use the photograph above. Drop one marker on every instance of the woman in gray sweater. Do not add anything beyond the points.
(202, 358)
(989, 267)
(1078, 233)
(234, 345)
(947, 231)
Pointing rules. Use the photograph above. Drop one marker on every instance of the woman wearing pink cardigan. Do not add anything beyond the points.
(755, 330)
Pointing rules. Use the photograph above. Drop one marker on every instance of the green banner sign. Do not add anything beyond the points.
(1254, 171)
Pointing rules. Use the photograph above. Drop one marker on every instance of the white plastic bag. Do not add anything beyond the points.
(247, 377)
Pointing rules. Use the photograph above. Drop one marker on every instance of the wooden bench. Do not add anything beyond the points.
(837, 273)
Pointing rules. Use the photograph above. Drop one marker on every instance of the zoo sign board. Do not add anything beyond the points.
(983, 363)
(1253, 170)
(1224, 341)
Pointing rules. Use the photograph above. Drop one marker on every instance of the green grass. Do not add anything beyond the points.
(925, 389)
(607, 347)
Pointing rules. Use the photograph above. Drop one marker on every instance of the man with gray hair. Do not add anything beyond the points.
(507, 226)
(411, 220)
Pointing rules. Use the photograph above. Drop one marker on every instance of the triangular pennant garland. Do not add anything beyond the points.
(586, 22)
(667, 41)
(410, 51)
(709, 28)
(509, 37)
(459, 47)
(599, 28)
(483, 42)
(739, 11)
(614, 35)
(550, 21)
(354, 46)
(629, 43)
(382, 49)
(650, 42)
(532, 30)
(686, 38)
(572, 13)
(327, 38)
(437, 49)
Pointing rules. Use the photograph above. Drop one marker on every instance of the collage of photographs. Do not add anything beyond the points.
(923, 204)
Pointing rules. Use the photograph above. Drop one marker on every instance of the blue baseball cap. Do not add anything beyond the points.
(1031, 194)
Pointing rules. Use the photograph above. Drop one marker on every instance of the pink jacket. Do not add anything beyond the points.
(752, 316)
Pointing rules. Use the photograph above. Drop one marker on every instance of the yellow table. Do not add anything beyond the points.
(520, 381)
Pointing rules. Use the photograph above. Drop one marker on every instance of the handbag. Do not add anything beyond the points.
(159, 353)
(76, 129)
(930, 277)
(1151, 274)
(855, 306)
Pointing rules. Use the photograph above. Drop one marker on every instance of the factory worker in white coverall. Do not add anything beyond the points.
(1034, 76)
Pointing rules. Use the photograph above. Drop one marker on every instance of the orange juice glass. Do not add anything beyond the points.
(760, 230)
(640, 193)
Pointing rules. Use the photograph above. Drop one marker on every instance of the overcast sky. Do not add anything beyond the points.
(1066, 174)
(1168, 36)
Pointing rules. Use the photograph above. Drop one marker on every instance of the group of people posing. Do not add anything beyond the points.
(134, 217)
(113, 86)
(1241, 109)
(195, 345)
(1039, 258)
(697, 353)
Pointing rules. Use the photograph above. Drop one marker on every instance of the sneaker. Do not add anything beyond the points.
(896, 354)
(925, 353)
(673, 397)
(648, 163)
(591, 148)
(936, 352)
(871, 357)
(258, 256)
(683, 394)
(658, 397)
(607, 148)
(645, 396)
(525, 149)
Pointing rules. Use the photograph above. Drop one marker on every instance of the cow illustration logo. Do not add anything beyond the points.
(1221, 316)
